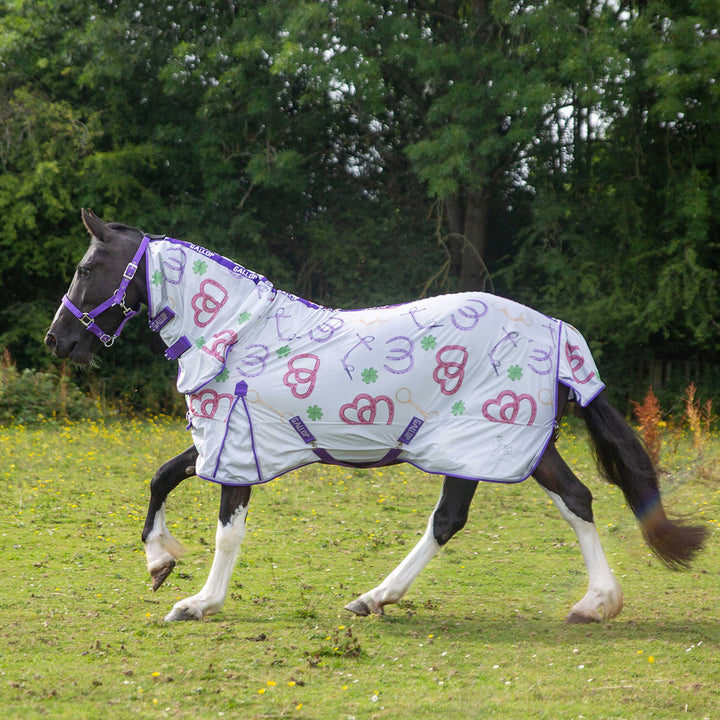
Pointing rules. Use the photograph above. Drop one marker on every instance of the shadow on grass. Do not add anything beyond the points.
(521, 628)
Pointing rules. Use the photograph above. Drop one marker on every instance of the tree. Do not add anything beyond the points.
(365, 152)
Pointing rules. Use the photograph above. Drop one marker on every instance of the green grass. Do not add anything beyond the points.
(480, 635)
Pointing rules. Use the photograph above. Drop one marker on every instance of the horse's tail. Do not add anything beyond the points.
(622, 459)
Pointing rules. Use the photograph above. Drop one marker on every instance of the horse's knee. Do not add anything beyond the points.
(451, 513)
(447, 524)
(173, 472)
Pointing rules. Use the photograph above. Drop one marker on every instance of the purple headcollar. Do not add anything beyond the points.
(118, 298)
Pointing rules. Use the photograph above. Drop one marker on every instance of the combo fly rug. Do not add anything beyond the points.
(470, 386)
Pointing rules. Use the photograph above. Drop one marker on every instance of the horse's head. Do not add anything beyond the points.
(107, 290)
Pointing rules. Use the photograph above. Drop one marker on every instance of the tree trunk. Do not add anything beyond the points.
(467, 220)
(455, 213)
(473, 273)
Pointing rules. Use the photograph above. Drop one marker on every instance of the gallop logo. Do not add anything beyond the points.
(208, 302)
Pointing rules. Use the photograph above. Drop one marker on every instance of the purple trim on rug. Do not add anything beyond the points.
(580, 400)
(148, 281)
(225, 434)
(252, 432)
(240, 394)
(238, 270)
(401, 460)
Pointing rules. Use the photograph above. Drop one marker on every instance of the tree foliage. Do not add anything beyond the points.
(364, 152)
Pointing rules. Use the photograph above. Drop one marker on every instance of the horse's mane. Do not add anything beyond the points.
(125, 228)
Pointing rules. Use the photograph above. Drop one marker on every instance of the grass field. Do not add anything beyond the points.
(480, 635)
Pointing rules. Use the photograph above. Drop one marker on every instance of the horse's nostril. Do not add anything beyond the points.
(51, 341)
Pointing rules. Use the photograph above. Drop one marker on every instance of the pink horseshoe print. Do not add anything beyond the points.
(449, 374)
(577, 360)
(206, 403)
(506, 407)
(301, 380)
(208, 302)
(220, 343)
(363, 410)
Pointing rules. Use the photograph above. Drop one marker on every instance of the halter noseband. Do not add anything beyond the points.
(118, 298)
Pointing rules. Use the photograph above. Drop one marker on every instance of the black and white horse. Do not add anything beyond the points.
(90, 316)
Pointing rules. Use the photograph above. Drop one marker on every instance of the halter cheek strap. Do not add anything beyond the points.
(118, 298)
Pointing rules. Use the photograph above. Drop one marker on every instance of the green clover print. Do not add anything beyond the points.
(428, 342)
(369, 375)
(314, 412)
(515, 372)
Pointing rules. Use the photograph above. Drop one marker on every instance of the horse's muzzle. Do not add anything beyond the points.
(52, 343)
(71, 349)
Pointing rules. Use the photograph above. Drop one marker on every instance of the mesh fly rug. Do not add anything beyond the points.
(462, 384)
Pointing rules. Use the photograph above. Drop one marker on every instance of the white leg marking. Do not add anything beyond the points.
(212, 597)
(604, 598)
(161, 548)
(398, 582)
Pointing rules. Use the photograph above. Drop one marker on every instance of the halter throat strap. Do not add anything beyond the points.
(118, 298)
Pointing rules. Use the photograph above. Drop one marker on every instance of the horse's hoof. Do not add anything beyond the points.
(576, 618)
(160, 574)
(182, 614)
(361, 608)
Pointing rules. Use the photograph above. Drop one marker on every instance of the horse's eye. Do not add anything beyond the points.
(83, 271)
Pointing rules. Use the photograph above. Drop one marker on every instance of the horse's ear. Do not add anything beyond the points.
(95, 226)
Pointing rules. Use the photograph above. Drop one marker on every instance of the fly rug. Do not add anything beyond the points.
(467, 385)
(462, 385)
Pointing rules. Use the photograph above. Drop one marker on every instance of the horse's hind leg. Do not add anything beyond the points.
(449, 517)
(234, 502)
(603, 599)
(161, 548)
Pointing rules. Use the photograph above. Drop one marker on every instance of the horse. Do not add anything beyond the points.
(221, 323)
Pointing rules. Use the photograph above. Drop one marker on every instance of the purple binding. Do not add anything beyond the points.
(390, 458)
(118, 298)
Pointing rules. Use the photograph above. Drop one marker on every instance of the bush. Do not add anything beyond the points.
(28, 395)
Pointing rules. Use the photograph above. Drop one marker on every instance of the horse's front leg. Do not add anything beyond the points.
(449, 516)
(161, 549)
(234, 502)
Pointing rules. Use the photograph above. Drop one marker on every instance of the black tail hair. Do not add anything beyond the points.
(623, 461)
